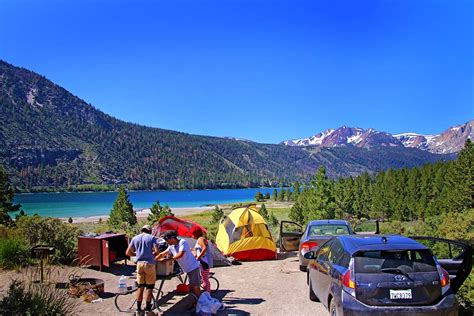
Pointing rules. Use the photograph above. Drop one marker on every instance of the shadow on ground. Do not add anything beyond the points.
(185, 306)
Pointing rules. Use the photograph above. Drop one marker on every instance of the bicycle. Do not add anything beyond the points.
(127, 303)
(212, 279)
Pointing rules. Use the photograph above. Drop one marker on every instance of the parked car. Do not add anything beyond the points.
(317, 232)
(389, 274)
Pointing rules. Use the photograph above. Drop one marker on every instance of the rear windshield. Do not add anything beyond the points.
(407, 261)
(328, 229)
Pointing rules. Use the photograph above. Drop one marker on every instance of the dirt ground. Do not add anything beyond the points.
(257, 288)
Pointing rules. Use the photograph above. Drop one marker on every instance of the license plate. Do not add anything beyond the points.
(400, 294)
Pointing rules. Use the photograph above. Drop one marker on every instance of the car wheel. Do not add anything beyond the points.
(312, 296)
(303, 268)
(332, 308)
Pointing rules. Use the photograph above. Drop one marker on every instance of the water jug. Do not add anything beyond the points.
(122, 284)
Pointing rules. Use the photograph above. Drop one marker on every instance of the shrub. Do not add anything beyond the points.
(36, 299)
(14, 252)
(51, 231)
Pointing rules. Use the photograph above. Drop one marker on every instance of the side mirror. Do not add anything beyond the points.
(310, 255)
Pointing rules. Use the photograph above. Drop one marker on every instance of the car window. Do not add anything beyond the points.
(323, 252)
(336, 253)
(328, 229)
(407, 261)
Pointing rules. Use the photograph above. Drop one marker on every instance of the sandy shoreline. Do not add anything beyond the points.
(141, 213)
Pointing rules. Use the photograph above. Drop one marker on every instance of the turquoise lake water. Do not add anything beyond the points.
(100, 203)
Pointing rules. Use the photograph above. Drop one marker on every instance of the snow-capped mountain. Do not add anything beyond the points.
(450, 141)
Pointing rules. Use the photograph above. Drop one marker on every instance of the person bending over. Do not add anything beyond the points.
(144, 247)
(181, 252)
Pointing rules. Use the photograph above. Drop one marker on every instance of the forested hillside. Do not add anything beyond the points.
(52, 140)
(401, 195)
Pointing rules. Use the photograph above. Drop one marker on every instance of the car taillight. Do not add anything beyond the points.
(444, 278)
(308, 245)
(347, 281)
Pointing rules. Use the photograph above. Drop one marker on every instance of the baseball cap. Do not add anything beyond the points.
(146, 228)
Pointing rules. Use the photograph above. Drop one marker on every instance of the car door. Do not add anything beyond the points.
(367, 227)
(454, 256)
(290, 235)
(321, 278)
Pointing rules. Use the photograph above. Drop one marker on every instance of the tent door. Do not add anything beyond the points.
(454, 256)
(290, 234)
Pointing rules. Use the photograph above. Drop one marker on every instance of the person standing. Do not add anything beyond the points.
(144, 247)
(203, 255)
(181, 252)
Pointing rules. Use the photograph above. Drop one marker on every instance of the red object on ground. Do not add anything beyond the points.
(182, 226)
(182, 288)
(255, 255)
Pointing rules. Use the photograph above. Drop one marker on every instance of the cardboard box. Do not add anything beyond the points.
(164, 267)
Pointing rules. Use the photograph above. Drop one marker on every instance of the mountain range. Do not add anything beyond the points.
(53, 140)
(450, 141)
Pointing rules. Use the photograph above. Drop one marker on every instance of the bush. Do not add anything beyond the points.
(14, 252)
(51, 231)
(36, 299)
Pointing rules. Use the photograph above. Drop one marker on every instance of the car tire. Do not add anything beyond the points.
(312, 296)
(303, 268)
(332, 308)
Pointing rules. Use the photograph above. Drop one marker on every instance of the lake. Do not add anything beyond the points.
(79, 204)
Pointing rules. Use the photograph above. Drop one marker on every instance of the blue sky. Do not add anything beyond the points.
(261, 70)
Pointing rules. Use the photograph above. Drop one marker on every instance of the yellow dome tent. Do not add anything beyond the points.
(244, 235)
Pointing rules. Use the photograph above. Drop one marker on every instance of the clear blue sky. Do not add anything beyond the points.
(260, 70)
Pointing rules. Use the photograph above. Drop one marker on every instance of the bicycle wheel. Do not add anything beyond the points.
(128, 302)
(214, 284)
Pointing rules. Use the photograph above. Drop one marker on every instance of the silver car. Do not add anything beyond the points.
(317, 232)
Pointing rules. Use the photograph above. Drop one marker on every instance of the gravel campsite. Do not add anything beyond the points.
(274, 287)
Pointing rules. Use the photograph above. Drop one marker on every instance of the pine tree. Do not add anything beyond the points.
(122, 212)
(267, 196)
(296, 190)
(6, 199)
(217, 214)
(273, 220)
(258, 196)
(320, 201)
(460, 179)
(275, 195)
(281, 195)
(157, 212)
(264, 212)
(338, 193)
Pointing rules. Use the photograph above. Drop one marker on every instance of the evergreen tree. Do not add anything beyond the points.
(273, 220)
(296, 190)
(217, 214)
(264, 212)
(460, 180)
(122, 212)
(267, 196)
(6, 199)
(157, 212)
(320, 201)
(275, 195)
(259, 196)
(339, 206)
(281, 195)
(380, 203)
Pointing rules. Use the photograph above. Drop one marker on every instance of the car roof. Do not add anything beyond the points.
(356, 243)
(328, 221)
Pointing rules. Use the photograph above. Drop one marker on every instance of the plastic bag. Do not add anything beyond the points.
(208, 305)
